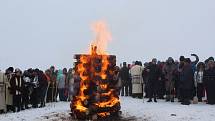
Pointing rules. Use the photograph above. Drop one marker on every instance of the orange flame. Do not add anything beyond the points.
(82, 97)
(102, 35)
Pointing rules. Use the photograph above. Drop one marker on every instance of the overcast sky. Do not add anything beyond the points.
(40, 33)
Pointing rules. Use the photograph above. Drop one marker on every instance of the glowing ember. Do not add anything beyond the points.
(96, 94)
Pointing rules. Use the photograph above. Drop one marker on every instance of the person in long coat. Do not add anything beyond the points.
(125, 77)
(52, 91)
(43, 85)
(186, 82)
(17, 84)
(154, 74)
(61, 79)
(209, 82)
(35, 96)
(168, 70)
(9, 97)
(137, 80)
(27, 90)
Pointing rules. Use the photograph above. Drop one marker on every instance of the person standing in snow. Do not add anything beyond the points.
(9, 97)
(17, 84)
(66, 91)
(186, 82)
(52, 91)
(137, 80)
(61, 85)
(177, 78)
(161, 83)
(125, 77)
(209, 82)
(168, 70)
(43, 84)
(35, 94)
(26, 90)
(198, 77)
(154, 74)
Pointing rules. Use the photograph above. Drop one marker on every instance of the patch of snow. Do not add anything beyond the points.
(161, 111)
(167, 111)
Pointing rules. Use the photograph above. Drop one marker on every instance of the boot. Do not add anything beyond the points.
(167, 98)
(155, 100)
(150, 100)
(186, 102)
(172, 100)
(200, 99)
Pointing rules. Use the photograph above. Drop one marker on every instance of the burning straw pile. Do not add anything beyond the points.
(97, 96)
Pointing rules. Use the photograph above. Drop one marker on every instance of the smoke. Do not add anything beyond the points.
(102, 36)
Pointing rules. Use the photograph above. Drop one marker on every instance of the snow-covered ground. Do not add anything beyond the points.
(161, 111)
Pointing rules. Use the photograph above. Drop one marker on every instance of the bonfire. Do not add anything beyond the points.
(97, 96)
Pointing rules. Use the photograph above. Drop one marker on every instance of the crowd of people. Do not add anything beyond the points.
(188, 81)
(32, 88)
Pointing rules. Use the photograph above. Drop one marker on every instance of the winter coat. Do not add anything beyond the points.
(168, 71)
(137, 79)
(186, 78)
(9, 96)
(43, 81)
(61, 79)
(209, 76)
(154, 73)
(209, 82)
(124, 75)
(198, 77)
(17, 85)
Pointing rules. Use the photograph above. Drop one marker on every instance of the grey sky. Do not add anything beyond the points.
(40, 33)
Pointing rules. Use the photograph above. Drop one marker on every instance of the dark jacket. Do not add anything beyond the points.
(154, 73)
(209, 77)
(124, 75)
(186, 78)
(17, 85)
(43, 82)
